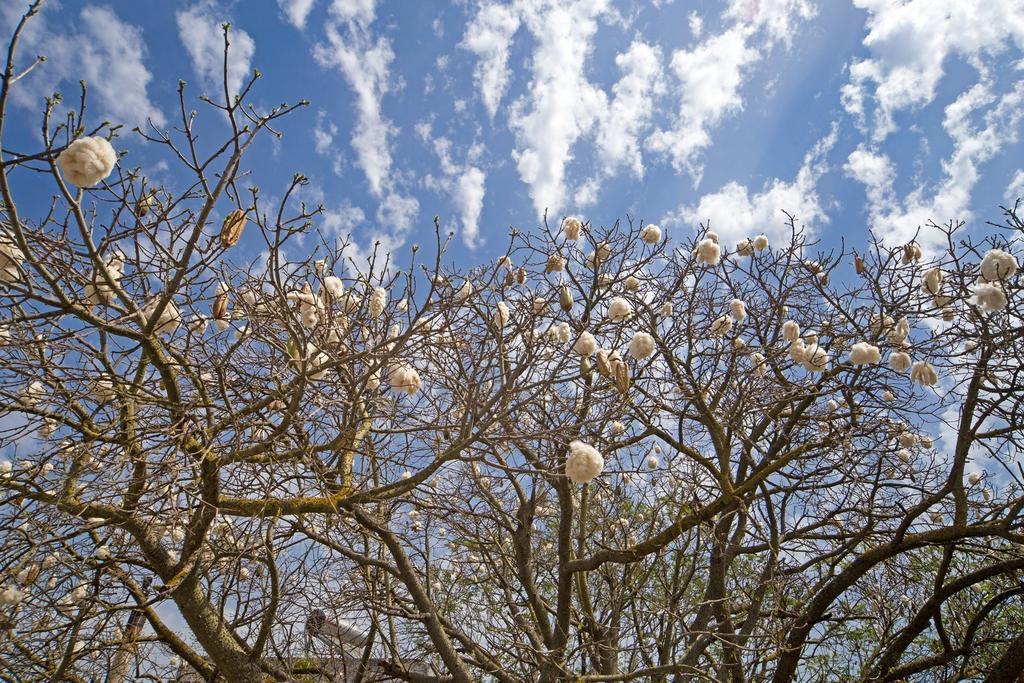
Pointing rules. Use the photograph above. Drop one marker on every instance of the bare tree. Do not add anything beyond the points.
(608, 456)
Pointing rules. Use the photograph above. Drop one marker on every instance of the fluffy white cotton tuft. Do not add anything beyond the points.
(744, 248)
(998, 265)
(708, 252)
(924, 374)
(564, 332)
(641, 345)
(585, 345)
(404, 378)
(758, 364)
(738, 309)
(571, 228)
(501, 314)
(650, 234)
(931, 283)
(334, 287)
(584, 462)
(863, 353)
(169, 320)
(990, 296)
(760, 242)
(815, 358)
(378, 301)
(619, 309)
(721, 326)
(87, 161)
(790, 331)
(899, 361)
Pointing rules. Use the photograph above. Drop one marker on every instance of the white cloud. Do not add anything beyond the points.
(561, 105)
(297, 11)
(200, 30)
(631, 107)
(489, 36)
(626, 118)
(897, 221)
(735, 214)
(323, 133)
(103, 50)
(365, 62)
(710, 76)
(709, 79)
(1015, 190)
(465, 183)
(910, 42)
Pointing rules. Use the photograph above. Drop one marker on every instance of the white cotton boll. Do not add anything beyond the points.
(619, 309)
(583, 463)
(617, 428)
(998, 265)
(665, 310)
(5, 469)
(990, 296)
(712, 235)
(87, 161)
(555, 264)
(406, 475)
(586, 344)
(880, 323)
(758, 364)
(103, 553)
(900, 331)
(738, 309)
(11, 595)
(540, 304)
(47, 467)
(378, 301)
(973, 478)
(912, 253)
(169, 320)
(739, 343)
(815, 359)
(904, 455)
(744, 248)
(501, 314)
(221, 324)
(405, 379)
(888, 396)
(970, 345)
(926, 441)
(642, 345)
(403, 305)
(931, 283)
(899, 361)
(373, 381)
(334, 287)
(790, 331)
(936, 517)
(863, 353)
(908, 440)
(721, 326)
(315, 362)
(760, 242)
(571, 228)
(653, 462)
(650, 234)
(631, 284)
(797, 350)
(924, 374)
(465, 291)
(33, 393)
(564, 332)
(708, 252)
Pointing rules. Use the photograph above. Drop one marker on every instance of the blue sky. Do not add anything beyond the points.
(852, 114)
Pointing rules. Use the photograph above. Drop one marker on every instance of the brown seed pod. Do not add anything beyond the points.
(858, 264)
(231, 230)
(220, 306)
